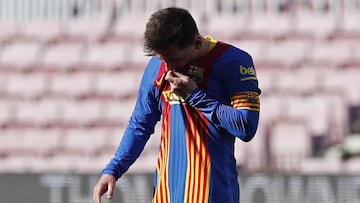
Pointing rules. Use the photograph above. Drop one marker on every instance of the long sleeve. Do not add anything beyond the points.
(241, 123)
(141, 125)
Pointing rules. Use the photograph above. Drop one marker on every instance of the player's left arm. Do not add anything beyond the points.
(241, 117)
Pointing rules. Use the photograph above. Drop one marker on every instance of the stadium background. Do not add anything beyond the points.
(69, 73)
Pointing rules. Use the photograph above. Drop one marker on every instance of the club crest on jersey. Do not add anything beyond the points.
(196, 73)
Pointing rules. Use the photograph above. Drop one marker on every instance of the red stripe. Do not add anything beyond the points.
(199, 172)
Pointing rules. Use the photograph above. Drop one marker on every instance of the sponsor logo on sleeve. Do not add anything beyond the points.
(247, 73)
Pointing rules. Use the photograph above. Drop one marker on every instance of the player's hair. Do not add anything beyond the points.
(167, 27)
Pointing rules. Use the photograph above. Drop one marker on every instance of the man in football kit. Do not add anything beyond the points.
(206, 94)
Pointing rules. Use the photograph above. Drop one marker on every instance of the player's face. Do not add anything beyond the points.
(176, 57)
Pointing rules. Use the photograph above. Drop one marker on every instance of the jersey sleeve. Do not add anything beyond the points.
(242, 86)
(240, 117)
(141, 124)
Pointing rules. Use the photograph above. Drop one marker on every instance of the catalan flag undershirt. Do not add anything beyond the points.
(196, 161)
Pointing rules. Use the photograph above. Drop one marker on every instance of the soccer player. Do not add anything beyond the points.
(206, 94)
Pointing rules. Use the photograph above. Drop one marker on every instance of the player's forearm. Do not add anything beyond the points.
(240, 123)
(140, 127)
(132, 144)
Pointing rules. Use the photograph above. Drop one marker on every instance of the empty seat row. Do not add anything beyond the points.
(286, 147)
(68, 55)
(66, 114)
(64, 85)
(65, 56)
(131, 27)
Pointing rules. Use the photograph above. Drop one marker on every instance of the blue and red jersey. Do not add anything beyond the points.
(196, 160)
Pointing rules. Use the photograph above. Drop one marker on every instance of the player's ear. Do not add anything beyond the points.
(197, 42)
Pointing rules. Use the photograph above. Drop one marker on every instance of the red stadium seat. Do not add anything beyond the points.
(29, 142)
(28, 52)
(62, 56)
(87, 29)
(299, 81)
(108, 55)
(122, 84)
(25, 85)
(330, 54)
(285, 53)
(34, 30)
(47, 112)
(130, 29)
(84, 142)
(81, 113)
(317, 25)
(9, 32)
(71, 85)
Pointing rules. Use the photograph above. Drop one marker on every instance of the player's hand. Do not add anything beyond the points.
(105, 183)
(180, 84)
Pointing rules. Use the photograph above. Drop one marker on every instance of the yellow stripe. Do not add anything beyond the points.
(245, 94)
(249, 108)
(246, 100)
(197, 166)
(235, 98)
(246, 104)
(242, 100)
(248, 78)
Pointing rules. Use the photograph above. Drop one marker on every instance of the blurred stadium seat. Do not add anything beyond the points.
(301, 81)
(34, 31)
(29, 53)
(285, 54)
(84, 142)
(86, 30)
(290, 144)
(263, 26)
(81, 113)
(330, 54)
(316, 26)
(121, 84)
(118, 110)
(26, 86)
(46, 111)
(62, 56)
(130, 28)
(71, 85)
(9, 32)
(108, 55)
(32, 143)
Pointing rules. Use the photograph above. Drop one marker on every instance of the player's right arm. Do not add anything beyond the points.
(141, 125)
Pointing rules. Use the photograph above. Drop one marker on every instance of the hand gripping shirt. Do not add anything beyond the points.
(196, 161)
